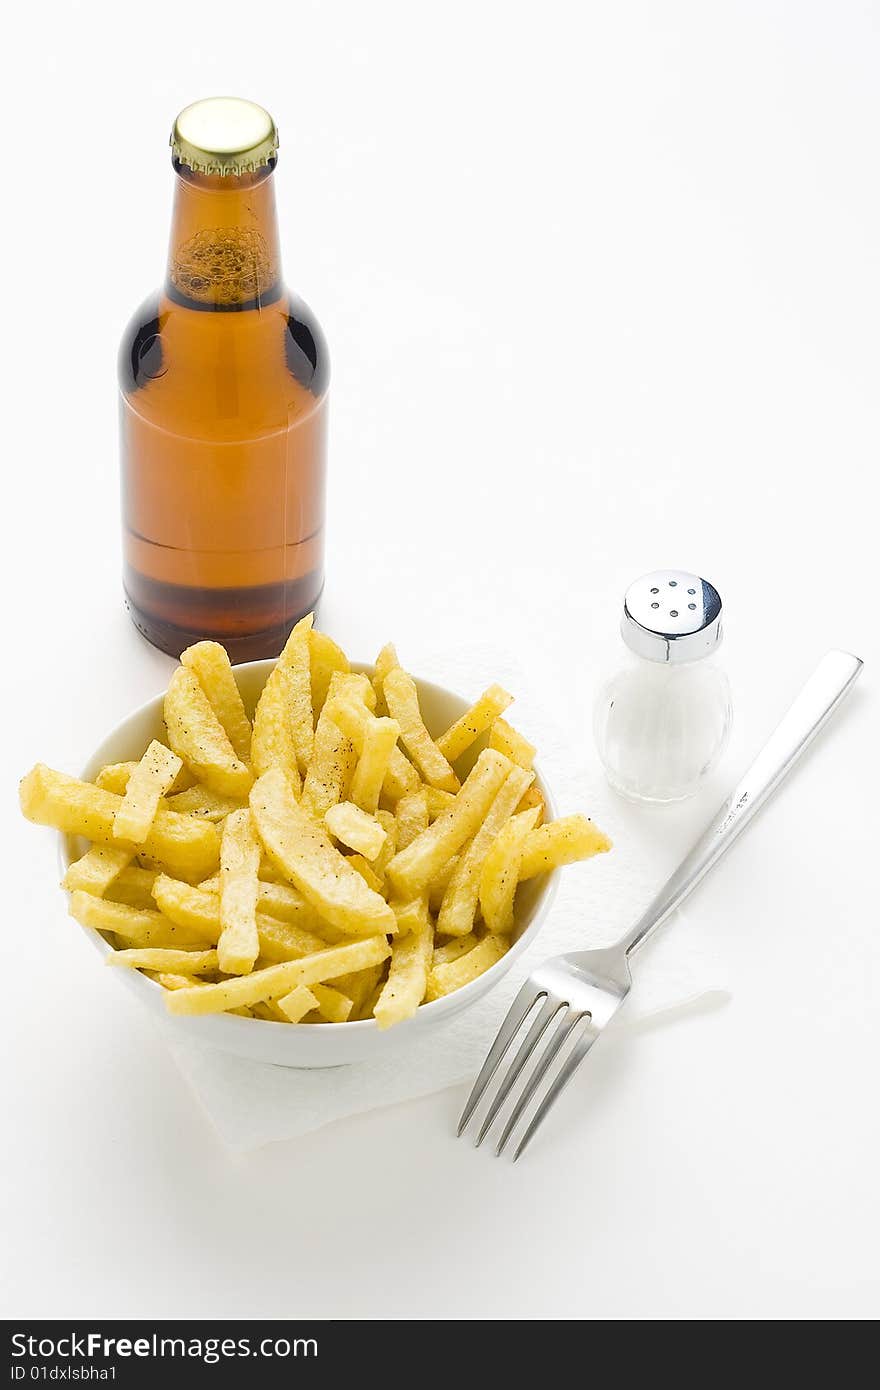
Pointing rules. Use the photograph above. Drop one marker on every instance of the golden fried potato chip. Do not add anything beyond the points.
(459, 905)
(151, 779)
(155, 958)
(190, 848)
(240, 854)
(295, 659)
(352, 717)
(197, 736)
(329, 773)
(325, 660)
(563, 841)
(499, 874)
(407, 981)
(402, 700)
(412, 869)
(272, 743)
(412, 817)
(355, 828)
(212, 669)
(276, 981)
(386, 661)
(379, 741)
(511, 744)
(445, 979)
(475, 721)
(302, 850)
(136, 926)
(201, 801)
(97, 869)
(299, 1002)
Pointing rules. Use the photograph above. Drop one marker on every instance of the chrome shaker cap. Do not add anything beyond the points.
(671, 616)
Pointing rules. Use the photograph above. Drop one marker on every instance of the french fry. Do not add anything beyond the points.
(412, 817)
(379, 740)
(299, 1002)
(325, 659)
(475, 721)
(211, 667)
(412, 869)
(407, 981)
(201, 801)
(302, 850)
(438, 801)
(281, 941)
(275, 981)
(458, 946)
(197, 736)
(189, 907)
(445, 979)
(355, 828)
(359, 987)
(272, 743)
(154, 958)
(440, 882)
(295, 660)
(333, 1005)
(534, 798)
(402, 700)
(190, 848)
(329, 773)
(284, 902)
(352, 685)
(351, 716)
(114, 778)
(168, 979)
(134, 886)
(146, 786)
(511, 744)
(410, 916)
(499, 874)
(240, 853)
(388, 822)
(198, 911)
(386, 661)
(137, 926)
(369, 1004)
(459, 905)
(97, 869)
(367, 873)
(563, 841)
(268, 1010)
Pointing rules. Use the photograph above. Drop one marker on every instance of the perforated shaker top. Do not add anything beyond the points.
(671, 616)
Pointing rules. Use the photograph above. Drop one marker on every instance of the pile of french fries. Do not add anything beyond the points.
(329, 862)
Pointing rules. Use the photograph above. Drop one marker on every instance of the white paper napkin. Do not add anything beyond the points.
(251, 1104)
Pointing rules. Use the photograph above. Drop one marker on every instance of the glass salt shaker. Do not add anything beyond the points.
(663, 720)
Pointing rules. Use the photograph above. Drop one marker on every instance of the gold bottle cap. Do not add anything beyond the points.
(224, 135)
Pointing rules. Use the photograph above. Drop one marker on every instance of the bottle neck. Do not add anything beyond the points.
(224, 251)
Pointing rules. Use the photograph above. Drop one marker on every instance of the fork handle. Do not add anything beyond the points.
(823, 692)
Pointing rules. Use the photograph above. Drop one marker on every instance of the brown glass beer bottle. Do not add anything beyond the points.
(223, 379)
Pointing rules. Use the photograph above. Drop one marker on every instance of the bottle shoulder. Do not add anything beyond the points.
(163, 338)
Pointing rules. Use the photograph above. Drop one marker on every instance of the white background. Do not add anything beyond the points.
(601, 288)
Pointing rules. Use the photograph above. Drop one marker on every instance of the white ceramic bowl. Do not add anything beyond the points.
(324, 1045)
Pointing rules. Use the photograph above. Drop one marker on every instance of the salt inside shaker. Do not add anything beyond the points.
(663, 719)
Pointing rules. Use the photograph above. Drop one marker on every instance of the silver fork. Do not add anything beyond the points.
(578, 994)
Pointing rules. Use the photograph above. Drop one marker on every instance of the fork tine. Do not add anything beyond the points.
(578, 1053)
(542, 1021)
(541, 1068)
(516, 1014)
